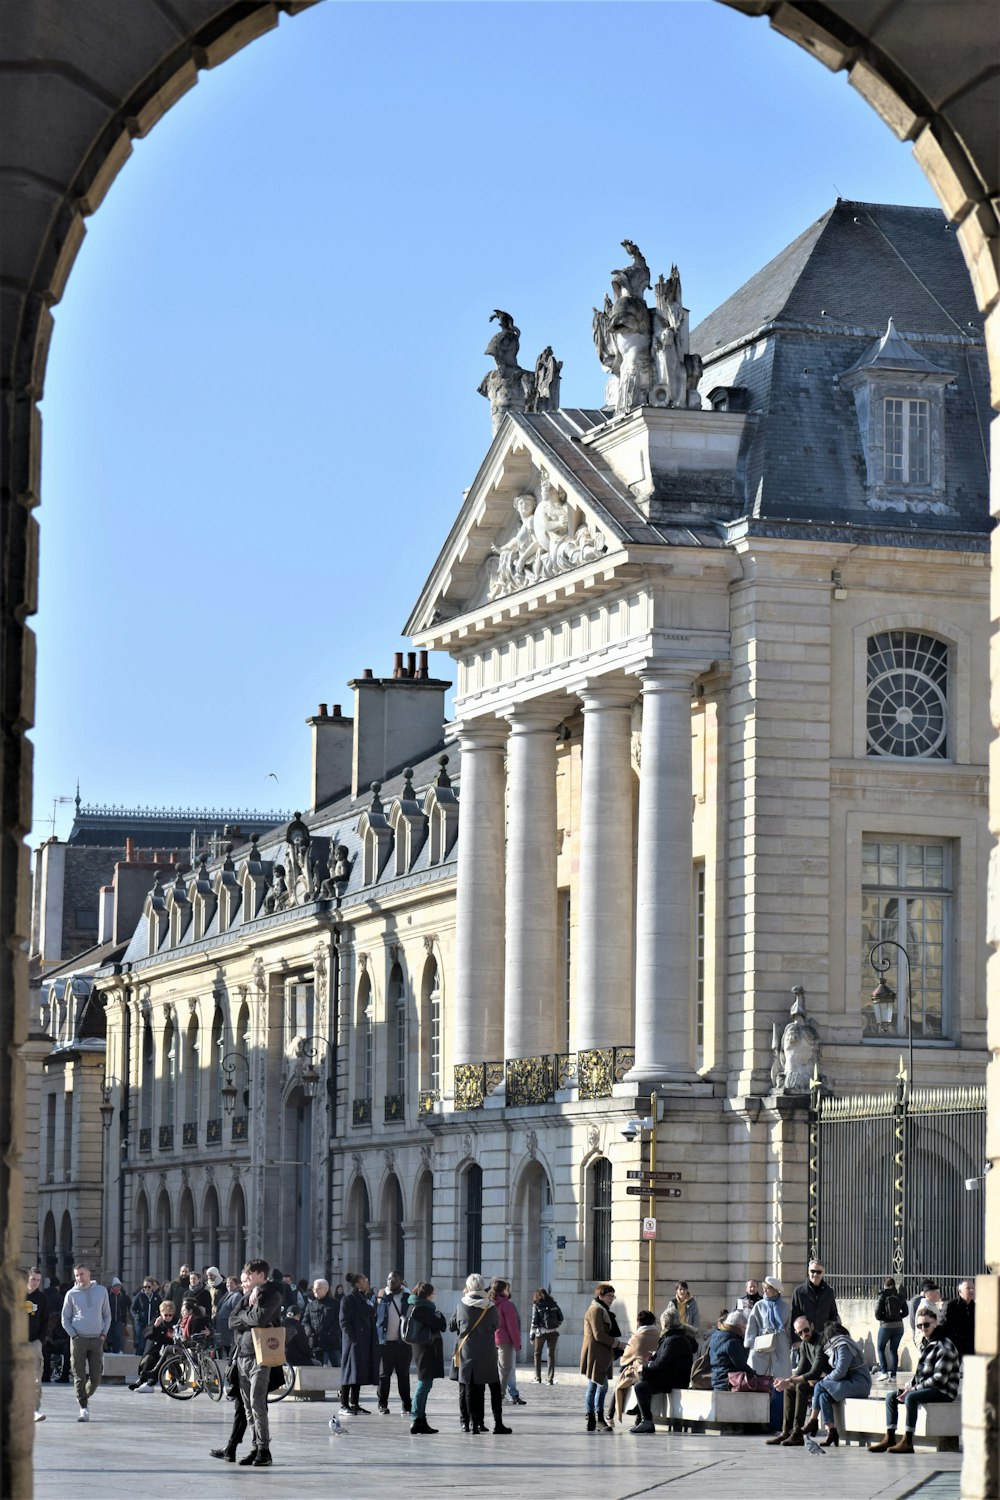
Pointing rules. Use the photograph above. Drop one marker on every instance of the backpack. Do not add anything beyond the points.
(701, 1372)
(894, 1307)
(413, 1331)
(551, 1316)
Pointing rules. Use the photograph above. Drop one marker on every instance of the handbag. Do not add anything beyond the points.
(739, 1380)
(461, 1344)
(268, 1345)
(764, 1343)
(413, 1331)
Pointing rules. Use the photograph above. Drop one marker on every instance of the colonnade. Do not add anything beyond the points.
(627, 900)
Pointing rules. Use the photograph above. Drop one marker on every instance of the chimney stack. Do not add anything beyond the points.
(332, 753)
(397, 719)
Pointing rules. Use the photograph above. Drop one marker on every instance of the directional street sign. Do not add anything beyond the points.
(645, 1176)
(654, 1191)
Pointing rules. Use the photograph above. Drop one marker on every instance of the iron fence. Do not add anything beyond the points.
(887, 1192)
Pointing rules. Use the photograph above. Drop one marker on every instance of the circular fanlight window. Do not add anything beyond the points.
(907, 695)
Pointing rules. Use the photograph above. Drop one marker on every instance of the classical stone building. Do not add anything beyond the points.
(716, 736)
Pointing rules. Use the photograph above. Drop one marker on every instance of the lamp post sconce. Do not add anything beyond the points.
(108, 1110)
(312, 1052)
(884, 996)
(229, 1091)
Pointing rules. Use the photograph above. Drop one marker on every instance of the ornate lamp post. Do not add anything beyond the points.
(884, 996)
(229, 1091)
(107, 1109)
(313, 1053)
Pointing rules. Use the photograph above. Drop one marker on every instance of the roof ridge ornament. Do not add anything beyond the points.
(511, 388)
(646, 350)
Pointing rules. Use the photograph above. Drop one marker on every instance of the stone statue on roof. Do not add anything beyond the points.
(511, 388)
(645, 349)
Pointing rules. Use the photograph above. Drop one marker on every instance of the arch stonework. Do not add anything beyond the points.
(925, 68)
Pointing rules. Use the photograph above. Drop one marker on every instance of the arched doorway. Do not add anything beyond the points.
(238, 1227)
(50, 1260)
(534, 1220)
(164, 1271)
(66, 1248)
(392, 1215)
(185, 1223)
(359, 1245)
(295, 1240)
(423, 1213)
(140, 1240)
(210, 1225)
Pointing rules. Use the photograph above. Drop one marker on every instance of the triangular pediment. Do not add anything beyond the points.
(526, 520)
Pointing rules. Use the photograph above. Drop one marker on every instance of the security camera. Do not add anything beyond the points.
(630, 1129)
(973, 1184)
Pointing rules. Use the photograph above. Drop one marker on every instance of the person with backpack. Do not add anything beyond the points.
(421, 1328)
(890, 1314)
(543, 1331)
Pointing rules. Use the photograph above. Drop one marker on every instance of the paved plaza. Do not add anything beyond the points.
(152, 1448)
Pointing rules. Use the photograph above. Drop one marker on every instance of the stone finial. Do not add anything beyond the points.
(442, 778)
(376, 803)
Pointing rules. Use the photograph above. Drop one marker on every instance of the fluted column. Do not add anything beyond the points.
(531, 1022)
(663, 907)
(603, 987)
(479, 916)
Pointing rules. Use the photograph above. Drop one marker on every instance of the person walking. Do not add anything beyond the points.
(394, 1351)
(766, 1338)
(600, 1345)
(238, 1430)
(476, 1320)
(37, 1310)
(423, 1326)
(86, 1317)
(145, 1305)
(668, 1370)
(262, 1309)
(543, 1331)
(508, 1340)
(849, 1376)
(178, 1289)
(359, 1348)
(119, 1304)
(960, 1318)
(890, 1313)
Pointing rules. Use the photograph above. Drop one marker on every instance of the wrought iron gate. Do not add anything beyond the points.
(887, 1192)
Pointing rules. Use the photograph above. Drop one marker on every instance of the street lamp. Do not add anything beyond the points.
(884, 996)
(312, 1053)
(229, 1090)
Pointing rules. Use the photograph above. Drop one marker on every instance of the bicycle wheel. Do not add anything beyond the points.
(287, 1381)
(211, 1377)
(178, 1379)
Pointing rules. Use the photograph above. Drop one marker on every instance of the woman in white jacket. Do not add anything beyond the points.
(766, 1338)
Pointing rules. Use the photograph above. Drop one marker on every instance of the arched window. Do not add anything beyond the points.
(365, 1035)
(907, 703)
(140, 1239)
(185, 1221)
(191, 1072)
(148, 1077)
(424, 1214)
(238, 1225)
(210, 1221)
(600, 1219)
(392, 1218)
(398, 1040)
(215, 1064)
(430, 1029)
(168, 1104)
(472, 1213)
(358, 1215)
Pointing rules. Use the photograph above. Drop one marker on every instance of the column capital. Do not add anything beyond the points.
(598, 693)
(542, 717)
(659, 676)
(481, 734)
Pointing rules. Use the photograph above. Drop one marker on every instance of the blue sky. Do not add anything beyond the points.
(261, 413)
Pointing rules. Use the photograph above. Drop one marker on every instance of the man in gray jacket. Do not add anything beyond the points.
(86, 1317)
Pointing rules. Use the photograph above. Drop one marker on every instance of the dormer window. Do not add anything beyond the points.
(899, 400)
(907, 441)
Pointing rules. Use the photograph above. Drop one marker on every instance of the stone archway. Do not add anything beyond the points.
(93, 103)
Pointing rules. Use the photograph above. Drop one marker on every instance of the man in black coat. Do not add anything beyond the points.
(358, 1343)
(321, 1321)
(262, 1309)
(960, 1319)
(814, 1299)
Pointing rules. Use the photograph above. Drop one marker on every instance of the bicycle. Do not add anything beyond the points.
(190, 1368)
(287, 1381)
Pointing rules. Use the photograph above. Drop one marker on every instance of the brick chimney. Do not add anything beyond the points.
(332, 754)
(397, 719)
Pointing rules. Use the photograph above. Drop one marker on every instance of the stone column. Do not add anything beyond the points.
(479, 916)
(531, 1021)
(603, 998)
(663, 1002)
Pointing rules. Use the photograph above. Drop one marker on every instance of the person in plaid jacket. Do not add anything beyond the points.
(935, 1380)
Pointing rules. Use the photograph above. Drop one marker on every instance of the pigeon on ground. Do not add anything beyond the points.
(336, 1426)
(813, 1447)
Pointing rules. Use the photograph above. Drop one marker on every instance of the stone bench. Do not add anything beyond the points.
(313, 1381)
(120, 1368)
(939, 1424)
(713, 1408)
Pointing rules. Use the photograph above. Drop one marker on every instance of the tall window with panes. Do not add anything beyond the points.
(907, 441)
(565, 963)
(907, 896)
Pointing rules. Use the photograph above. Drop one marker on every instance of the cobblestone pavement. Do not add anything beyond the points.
(148, 1447)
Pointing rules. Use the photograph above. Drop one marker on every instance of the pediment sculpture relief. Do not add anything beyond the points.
(547, 542)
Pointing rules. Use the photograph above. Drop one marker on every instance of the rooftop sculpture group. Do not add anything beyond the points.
(645, 349)
(511, 388)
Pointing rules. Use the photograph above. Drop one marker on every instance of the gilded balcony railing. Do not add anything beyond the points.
(145, 1139)
(213, 1133)
(361, 1112)
(470, 1085)
(427, 1100)
(393, 1107)
(166, 1138)
(189, 1133)
(239, 1130)
(530, 1080)
(600, 1068)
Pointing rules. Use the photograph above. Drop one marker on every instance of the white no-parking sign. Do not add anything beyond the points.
(649, 1229)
